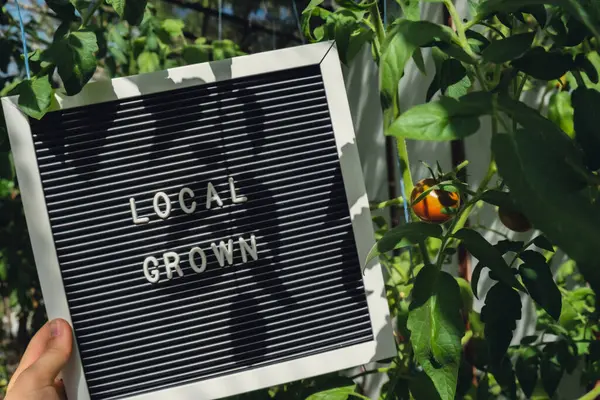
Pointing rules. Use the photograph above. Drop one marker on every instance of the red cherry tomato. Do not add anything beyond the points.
(514, 220)
(436, 205)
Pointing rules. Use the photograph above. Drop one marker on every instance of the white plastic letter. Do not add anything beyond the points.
(164, 214)
(193, 252)
(223, 251)
(212, 195)
(234, 198)
(136, 220)
(245, 248)
(190, 193)
(153, 275)
(172, 263)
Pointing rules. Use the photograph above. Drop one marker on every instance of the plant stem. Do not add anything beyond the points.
(579, 78)
(91, 10)
(375, 17)
(592, 394)
(399, 201)
(460, 29)
(405, 166)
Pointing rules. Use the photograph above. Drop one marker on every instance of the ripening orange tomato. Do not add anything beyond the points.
(437, 206)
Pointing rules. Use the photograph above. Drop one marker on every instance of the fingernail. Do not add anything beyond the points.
(54, 328)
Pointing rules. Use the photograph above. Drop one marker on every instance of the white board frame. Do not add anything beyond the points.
(323, 54)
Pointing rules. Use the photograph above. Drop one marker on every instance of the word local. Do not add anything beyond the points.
(223, 251)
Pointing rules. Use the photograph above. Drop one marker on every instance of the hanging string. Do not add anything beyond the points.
(24, 40)
(220, 20)
(297, 16)
(385, 13)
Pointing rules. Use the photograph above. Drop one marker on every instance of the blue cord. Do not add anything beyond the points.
(385, 13)
(24, 40)
(295, 8)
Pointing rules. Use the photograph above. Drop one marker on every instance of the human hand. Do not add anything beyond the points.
(44, 358)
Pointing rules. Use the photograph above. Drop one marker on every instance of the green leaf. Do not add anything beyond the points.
(489, 256)
(584, 64)
(6, 168)
(505, 376)
(505, 246)
(539, 13)
(313, 10)
(500, 313)
(419, 61)
(341, 393)
(35, 96)
(538, 170)
(477, 41)
(411, 9)
(402, 41)
(539, 282)
(403, 236)
(475, 278)
(130, 10)
(543, 243)
(567, 355)
(498, 199)
(501, 51)
(551, 370)
(75, 57)
(148, 62)
(544, 65)
(174, 27)
(196, 54)
(454, 81)
(560, 111)
(63, 8)
(437, 328)
(442, 120)
(587, 122)
(351, 5)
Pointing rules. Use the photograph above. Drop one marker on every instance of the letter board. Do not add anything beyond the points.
(204, 228)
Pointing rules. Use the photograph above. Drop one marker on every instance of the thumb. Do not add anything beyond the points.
(55, 355)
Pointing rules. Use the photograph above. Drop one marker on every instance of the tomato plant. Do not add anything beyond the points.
(543, 173)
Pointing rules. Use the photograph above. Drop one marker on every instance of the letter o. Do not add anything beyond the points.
(164, 214)
(193, 264)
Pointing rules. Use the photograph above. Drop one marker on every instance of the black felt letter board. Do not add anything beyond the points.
(272, 134)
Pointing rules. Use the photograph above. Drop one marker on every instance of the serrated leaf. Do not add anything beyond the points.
(543, 243)
(75, 57)
(130, 10)
(404, 38)
(551, 370)
(174, 27)
(443, 120)
(403, 236)
(489, 256)
(437, 328)
(340, 393)
(148, 62)
(35, 96)
(500, 313)
(504, 50)
(544, 65)
(538, 280)
(586, 120)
